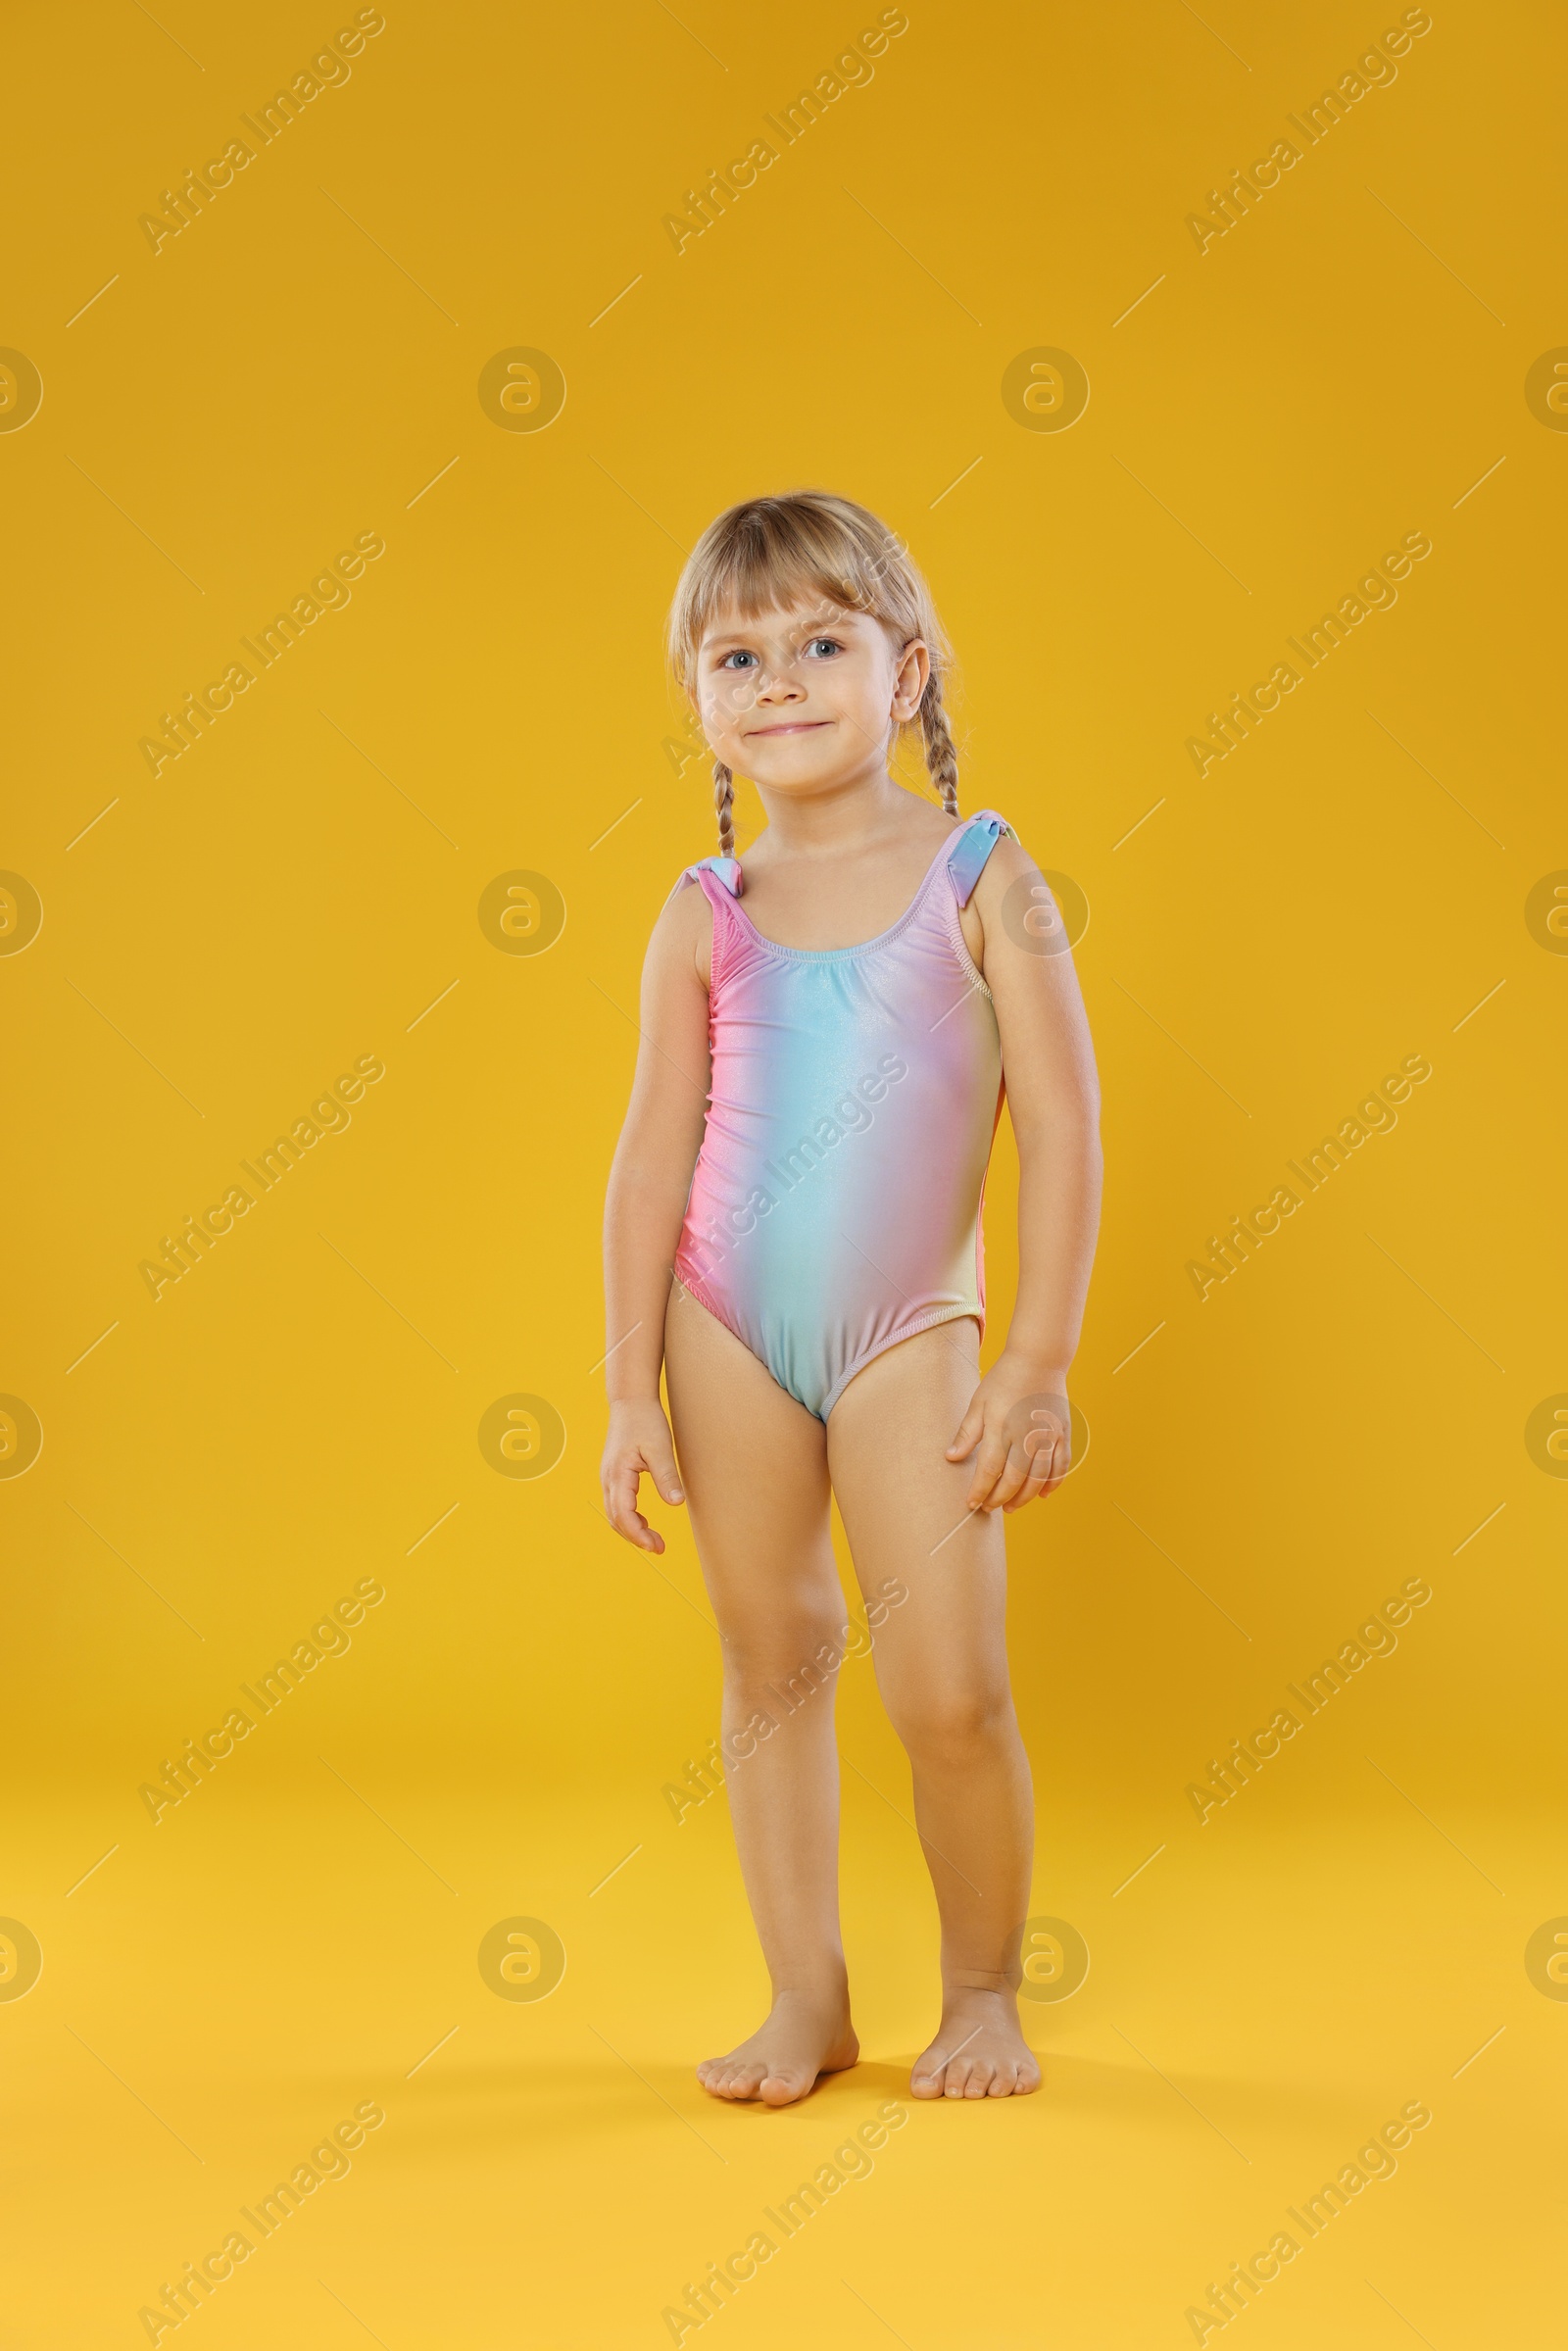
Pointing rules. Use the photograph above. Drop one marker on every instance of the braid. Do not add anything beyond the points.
(941, 757)
(723, 804)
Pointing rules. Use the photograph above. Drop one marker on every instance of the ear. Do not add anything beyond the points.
(910, 679)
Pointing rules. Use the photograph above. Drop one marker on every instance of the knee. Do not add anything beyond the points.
(951, 1724)
(800, 1651)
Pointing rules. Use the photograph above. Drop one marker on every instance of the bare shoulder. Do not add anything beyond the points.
(1021, 924)
(683, 936)
(1009, 862)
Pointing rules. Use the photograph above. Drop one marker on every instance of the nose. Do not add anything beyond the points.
(778, 683)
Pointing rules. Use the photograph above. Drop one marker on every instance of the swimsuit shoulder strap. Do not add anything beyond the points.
(973, 845)
(711, 872)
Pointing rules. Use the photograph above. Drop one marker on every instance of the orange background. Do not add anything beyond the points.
(301, 888)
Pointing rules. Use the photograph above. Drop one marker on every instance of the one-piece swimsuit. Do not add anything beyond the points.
(836, 1204)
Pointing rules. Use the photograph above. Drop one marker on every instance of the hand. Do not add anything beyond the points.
(639, 1440)
(1019, 1429)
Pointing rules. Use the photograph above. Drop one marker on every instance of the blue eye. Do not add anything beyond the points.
(732, 657)
(831, 644)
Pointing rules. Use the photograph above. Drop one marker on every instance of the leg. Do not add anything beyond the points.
(942, 1666)
(753, 1463)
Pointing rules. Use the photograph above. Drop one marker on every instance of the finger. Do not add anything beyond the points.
(666, 1477)
(1014, 1475)
(620, 1499)
(621, 1495)
(1060, 1463)
(989, 1465)
(970, 1432)
(1047, 1467)
(1039, 1430)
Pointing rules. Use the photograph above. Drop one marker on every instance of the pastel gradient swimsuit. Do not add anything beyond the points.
(835, 1207)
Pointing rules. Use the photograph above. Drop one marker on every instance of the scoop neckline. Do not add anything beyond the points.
(830, 954)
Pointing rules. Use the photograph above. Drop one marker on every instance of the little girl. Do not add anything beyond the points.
(792, 1231)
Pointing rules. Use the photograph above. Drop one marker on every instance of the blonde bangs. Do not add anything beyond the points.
(777, 553)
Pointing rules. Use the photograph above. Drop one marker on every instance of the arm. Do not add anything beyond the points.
(644, 1206)
(1017, 1426)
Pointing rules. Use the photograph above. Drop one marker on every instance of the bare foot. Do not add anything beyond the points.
(802, 2039)
(979, 2051)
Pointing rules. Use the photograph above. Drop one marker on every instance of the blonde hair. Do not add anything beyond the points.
(772, 552)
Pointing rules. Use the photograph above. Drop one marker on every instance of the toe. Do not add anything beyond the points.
(926, 2080)
(1003, 2081)
(957, 2075)
(981, 2074)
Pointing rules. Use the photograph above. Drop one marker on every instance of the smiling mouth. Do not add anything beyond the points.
(796, 726)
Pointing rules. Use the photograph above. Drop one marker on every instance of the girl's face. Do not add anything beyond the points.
(803, 698)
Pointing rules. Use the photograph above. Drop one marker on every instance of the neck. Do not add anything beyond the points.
(837, 817)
